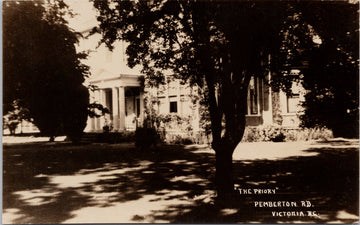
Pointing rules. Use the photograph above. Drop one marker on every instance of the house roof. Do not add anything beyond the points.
(105, 75)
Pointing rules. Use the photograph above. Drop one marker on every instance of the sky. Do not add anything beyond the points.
(100, 59)
(85, 17)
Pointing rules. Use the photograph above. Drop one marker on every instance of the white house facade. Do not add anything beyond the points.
(124, 96)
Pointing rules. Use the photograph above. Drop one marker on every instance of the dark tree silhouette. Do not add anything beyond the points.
(42, 70)
(196, 41)
(332, 76)
(329, 65)
(214, 44)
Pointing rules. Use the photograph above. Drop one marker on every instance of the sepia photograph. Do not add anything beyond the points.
(180, 111)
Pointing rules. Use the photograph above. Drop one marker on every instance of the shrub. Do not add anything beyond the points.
(178, 139)
(113, 138)
(278, 137)
(264, 133)
(251, 135)
(12, 125)
(274, 133)
(146, 137)
(277, 133)
(167, 124)
(307, 134)
(107, 128)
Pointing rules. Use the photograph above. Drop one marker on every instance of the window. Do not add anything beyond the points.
(293, 100)
(292, 103)
(173, 107)
(253, 102)
(253, 106)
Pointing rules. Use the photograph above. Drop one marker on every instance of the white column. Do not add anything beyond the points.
(268, 115)
(115, 108)
(92, 123)
(167, 98)
(103, 102)
(270, 112)
(178, 98)
(92, 120)
(98, 100)
(121, 108)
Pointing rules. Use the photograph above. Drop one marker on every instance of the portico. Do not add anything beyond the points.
(124, 97)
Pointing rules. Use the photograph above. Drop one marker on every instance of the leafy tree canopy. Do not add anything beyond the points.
(220, 45)
(322, 40)
(332, 78)
(42, 70)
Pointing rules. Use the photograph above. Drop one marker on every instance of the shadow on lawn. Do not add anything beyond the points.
(47, 183)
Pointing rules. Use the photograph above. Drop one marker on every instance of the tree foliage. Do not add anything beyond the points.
(42, 70)
(332, 78)
(321, 39)
(198, 43)
(15, 117)
(219, 45)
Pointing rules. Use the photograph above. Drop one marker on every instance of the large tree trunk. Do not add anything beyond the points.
(224, 172)
(224, 165)
(234, 110)
(229, 100)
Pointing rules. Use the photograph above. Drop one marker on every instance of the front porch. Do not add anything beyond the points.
(124, 98)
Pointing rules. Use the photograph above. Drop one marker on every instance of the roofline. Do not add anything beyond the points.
(118, 77)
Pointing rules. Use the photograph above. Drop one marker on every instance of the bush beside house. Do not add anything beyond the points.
(276, 133)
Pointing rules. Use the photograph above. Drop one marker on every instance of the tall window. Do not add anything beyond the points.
(253, 107)
(293, 100)
(292, 103)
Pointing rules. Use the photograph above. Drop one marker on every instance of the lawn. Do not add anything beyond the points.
(112, 183)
